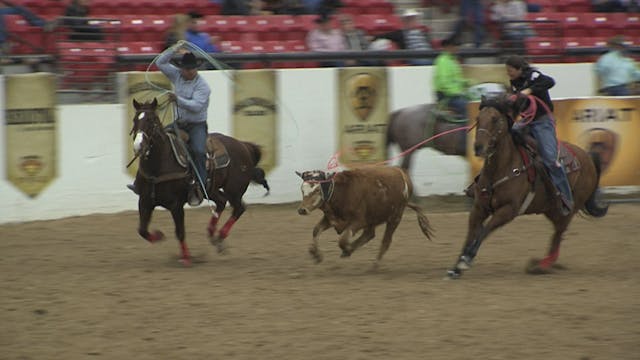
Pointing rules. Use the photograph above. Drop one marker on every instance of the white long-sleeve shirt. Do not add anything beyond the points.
(192, 95)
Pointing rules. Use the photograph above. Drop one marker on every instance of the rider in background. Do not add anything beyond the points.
(450, 86)
(529, 81)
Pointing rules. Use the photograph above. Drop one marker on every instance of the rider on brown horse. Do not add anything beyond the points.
(192, 100)
(525, 83)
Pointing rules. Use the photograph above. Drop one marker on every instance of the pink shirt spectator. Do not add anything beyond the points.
(331, 40)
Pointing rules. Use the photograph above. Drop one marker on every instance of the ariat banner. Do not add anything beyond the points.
(31, 131)
(255, 113)
(363, 115)
(143, 88)
(609, 126)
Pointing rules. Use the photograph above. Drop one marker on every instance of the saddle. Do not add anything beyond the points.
(217, 155)
(528, 147)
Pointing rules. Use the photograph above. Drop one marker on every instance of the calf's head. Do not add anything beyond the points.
(316, 189)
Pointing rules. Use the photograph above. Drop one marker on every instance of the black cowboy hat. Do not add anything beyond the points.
(194, 14)
(188, 61)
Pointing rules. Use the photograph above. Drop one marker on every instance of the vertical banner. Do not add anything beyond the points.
(143, 88)
(363, 115)
(609, 126)
(255, 112)
(31, 124)
(606, 125)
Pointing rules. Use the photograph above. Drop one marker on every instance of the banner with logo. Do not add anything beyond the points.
(363, 115)
(255, 113)
(609, 126)
(31, 146)
(144, 87)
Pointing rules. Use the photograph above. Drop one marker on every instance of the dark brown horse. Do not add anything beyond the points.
(412, 125)
(506, 187)
(163, 177)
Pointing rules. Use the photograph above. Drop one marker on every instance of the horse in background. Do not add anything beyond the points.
(412, 125)
(164, 176)
(513, 182)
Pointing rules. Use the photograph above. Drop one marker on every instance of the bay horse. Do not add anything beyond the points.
(511, 184)
(163, 177)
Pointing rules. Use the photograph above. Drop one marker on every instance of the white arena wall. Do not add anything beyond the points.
(91, 142)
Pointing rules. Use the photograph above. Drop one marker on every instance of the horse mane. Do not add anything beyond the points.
(503, 103)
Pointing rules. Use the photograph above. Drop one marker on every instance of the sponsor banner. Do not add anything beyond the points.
(255, 112)
(363, 115)
(143, 88)
(31, 146)
(609, 126)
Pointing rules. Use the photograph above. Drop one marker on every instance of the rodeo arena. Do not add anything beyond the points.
(202, 179)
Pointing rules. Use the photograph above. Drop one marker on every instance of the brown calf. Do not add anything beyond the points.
(357, 200)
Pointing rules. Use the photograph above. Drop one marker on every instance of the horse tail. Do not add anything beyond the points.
(258, 176)
(592, 206)
(425, 226)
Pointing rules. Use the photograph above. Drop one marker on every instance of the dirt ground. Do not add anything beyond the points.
(90, 288)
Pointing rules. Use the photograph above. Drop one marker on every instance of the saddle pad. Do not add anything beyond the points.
(180, 151)
(568, 158)
(217, 152)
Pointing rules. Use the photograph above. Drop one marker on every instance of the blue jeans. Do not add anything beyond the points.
(459, 104)
(474, 11)
(618, 90)
(197, 145)
(544, 132)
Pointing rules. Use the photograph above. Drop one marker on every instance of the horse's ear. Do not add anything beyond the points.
(483, 98)
(136, 104)
(299, 174)
(154, 103)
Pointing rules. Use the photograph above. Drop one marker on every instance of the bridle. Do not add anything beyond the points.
(146, 115)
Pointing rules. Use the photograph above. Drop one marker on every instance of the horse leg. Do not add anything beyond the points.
(145, 209)
(317, 230)
(478, 232)
(367, 234)
(177, 213)
(406, 161)
(544, 266)
(221, 203)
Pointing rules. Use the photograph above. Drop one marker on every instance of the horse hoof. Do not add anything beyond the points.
(315, 254)
(155, 236)
(186, 262)
(454, 273)
(535, 267)
(218, 242)
(345, 254)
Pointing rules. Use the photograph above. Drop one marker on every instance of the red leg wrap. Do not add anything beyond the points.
(550, 259)
(213, 223)
(227, 227)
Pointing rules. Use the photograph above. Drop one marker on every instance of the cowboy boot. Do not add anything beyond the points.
(195, 195)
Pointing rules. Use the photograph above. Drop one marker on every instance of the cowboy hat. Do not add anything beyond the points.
(410, 13)
(188, 61)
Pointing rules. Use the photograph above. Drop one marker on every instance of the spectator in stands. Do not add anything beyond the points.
(471, 16)
(198, 38)
(178, 30)
(8, 8)
(235, 7)
(615, 70)
(286, 7)
(77, 13)
(355, 39)
(610, 5)
(325, 38)
(450, 85)
(412, 36)
(328, 7)
(510, 15)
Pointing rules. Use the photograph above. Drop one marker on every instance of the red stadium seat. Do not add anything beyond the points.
(547, 24)
(626, 24)
(573, 6)
(576, 25)
(33, 35)
(544, 49)
(376, 24)
(600, 24)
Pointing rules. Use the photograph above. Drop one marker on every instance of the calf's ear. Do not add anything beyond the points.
(299, 174)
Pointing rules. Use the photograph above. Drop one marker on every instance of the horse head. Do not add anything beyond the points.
(146, 125)
(492, 124)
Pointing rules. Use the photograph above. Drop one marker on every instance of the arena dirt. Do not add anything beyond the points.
(90, 288)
